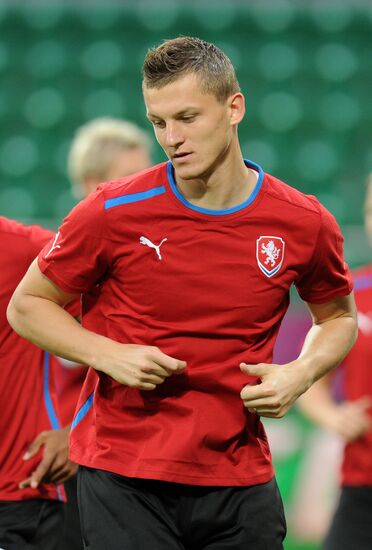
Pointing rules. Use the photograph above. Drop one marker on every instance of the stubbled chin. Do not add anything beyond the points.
(188, 170)
(186, 173)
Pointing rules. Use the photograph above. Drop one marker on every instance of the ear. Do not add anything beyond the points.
(237, 108)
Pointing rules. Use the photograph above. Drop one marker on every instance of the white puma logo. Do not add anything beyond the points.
(147, 242)
(54, 246)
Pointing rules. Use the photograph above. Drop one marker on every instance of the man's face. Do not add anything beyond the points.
(193, 128)
(368, 214)
(127, 162)
(124, 162)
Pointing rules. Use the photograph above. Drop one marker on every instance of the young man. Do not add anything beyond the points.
(351, 419)
(33, 451)
(102, 150)
(194, 259)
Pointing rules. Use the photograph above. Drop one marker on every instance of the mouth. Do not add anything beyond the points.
(181, 157)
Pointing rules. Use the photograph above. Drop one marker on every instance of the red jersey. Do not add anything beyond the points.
(357, 463)
(206, 286)
(27, 394)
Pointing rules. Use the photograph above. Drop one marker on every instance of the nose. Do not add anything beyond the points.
(173, 135)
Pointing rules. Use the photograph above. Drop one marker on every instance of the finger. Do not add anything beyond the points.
(60, 465)
(152, 379)
(258, 370)
(157, 370)
(57, 475)
(271, 414)
(265, 407)
(60, 462)
(363, 403)
(64, 474)
(351, 426)
(260, 403)
(62, 478)
(25, 483)
(168, 362)
(35, 446)
(362, 426)
(42, 470)
(356, 418)
(147, 387)
(256, 393)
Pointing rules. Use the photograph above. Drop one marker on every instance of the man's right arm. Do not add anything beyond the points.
(36, 312)
(349, 419)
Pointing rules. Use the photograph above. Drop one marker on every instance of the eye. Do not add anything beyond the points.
(158, 123)
(189, 118)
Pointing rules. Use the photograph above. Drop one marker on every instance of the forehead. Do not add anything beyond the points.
(128, 161)
(182, 94)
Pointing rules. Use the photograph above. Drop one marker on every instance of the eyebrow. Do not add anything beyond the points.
(178, 114)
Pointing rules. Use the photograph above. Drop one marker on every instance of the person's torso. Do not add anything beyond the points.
(357, 464)
(207, 288)
(26, 383)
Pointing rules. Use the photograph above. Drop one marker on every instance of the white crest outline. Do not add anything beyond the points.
(269, 273)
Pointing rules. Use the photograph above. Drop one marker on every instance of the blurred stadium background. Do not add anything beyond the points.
(306, 70)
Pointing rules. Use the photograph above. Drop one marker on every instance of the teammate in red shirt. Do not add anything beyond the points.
(102, 150)
(185, 271)
(33, 451)
(352, 420)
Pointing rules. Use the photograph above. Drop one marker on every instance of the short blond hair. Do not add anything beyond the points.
(96, 143)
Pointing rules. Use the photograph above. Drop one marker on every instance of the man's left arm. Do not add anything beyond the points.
(330, 338)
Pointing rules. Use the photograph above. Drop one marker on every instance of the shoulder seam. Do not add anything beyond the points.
(316, 211)
(14, 233)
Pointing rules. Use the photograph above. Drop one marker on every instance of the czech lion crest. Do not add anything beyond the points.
(270, 254)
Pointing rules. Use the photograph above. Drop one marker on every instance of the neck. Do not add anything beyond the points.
(228, 184)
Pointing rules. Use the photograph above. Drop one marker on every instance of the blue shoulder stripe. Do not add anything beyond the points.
(135, 197)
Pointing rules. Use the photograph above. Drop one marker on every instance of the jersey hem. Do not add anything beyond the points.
(18, 497)
(175, 477)
(356, 481)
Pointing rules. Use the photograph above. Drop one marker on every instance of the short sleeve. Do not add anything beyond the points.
(327, 276)
(38, 238)
(75, 260)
